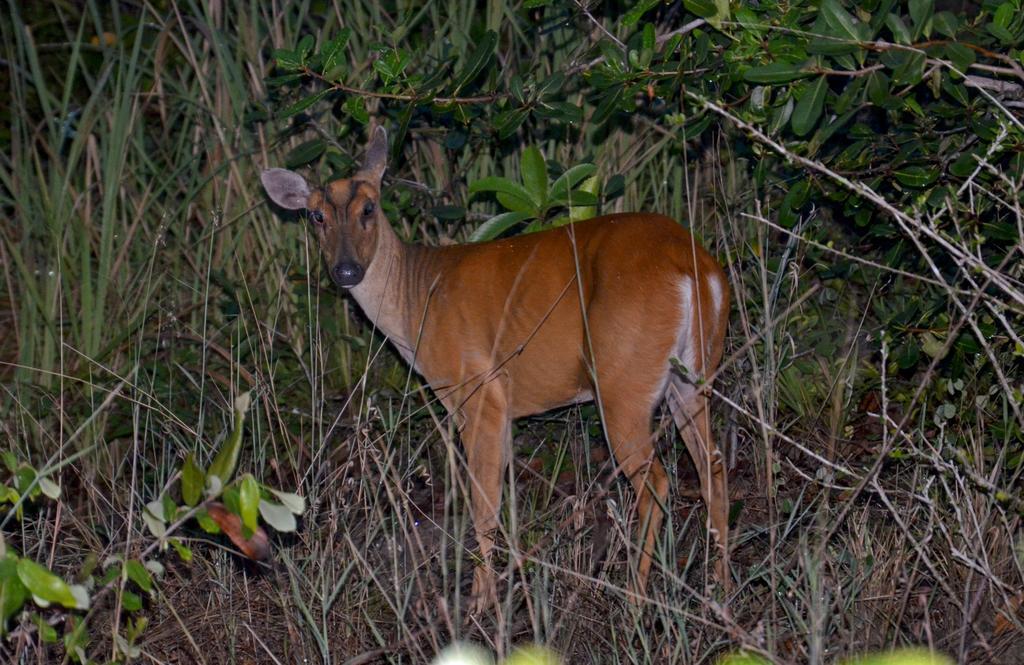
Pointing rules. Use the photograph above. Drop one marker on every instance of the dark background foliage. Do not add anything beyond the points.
(855, 166)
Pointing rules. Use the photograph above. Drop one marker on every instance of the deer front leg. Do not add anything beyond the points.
(486, 437)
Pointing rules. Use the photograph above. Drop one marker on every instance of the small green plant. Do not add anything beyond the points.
(22, 578)
(245, 500)
(536, 198)
(24, 483)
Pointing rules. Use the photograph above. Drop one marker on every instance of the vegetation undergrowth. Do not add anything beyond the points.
(857, 167)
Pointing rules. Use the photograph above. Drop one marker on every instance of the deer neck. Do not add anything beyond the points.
(391, 293)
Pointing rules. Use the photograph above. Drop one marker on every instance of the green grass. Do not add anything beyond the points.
(146, 283)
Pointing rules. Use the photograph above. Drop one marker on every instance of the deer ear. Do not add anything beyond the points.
(285, 188)
(376, 159)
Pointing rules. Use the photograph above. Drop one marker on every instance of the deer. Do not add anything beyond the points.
(599, 310)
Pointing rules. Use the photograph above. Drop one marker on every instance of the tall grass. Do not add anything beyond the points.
(146, 283)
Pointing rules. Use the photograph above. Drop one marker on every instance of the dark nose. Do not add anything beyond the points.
(347, 274)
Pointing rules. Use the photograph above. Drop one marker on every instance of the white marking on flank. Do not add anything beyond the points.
(684, 336)
(715, 287)
(683, 348)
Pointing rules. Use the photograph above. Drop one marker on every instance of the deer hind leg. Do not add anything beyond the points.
(629, 432)
(689, 407)
(486, 437)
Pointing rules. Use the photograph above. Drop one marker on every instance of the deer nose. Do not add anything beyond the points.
(347, 274)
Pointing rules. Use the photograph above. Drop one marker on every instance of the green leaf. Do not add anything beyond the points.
(1002, 20)
(184, 553)
(961, 56)
(714, 10)
(795, 199)
(131, 602)
(305, 46)
(822, 136)
(535, 175)
(776, 72)
(479, 58)
(12, 592)
(277, 516)
(508, 121)
(615, 187)
(356, 107)
(497, 225)
(223, 465)
(808, 109)
(49, 488)
(1000, 33)
(9, 495)
(850, 97)
(956, 90)
(921, 13)
(25, 480)
(911, 71)
(831, 44)
(391, 64)
(538, 225)
(499, 184)
(303, 104)
(639, 9)
(76, 639)
(137, 573)
(647, 42)
(292, 502)
(878, 87)
(964, 165)
(287, 60)
(583, 208)
(702, 8)
(249, 501)
(569, 179)
(913, 106)
(947, 23)
(153, 516)
(112, 566)
(842, 21)
(207, 523)
(900, 31)
(47, 633)
(608, 105)
(517, 204)
(515, 86)
(721, 14)
(170, 508)
(333, 53)
(551, 85)
(192, 481)
(47, 588)
(579, 197)
(304, 153)
(916, 176)
(933, 347)
(560, 111)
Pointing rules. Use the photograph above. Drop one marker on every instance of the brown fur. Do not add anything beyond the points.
(518, 326)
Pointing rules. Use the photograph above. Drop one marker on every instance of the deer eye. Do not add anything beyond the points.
(316, 216)
(369, 208)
